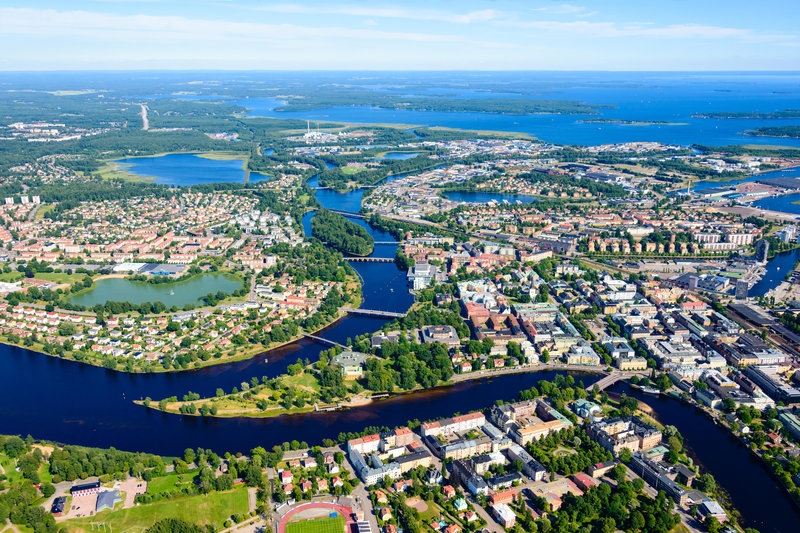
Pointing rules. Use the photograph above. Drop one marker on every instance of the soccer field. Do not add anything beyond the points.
(333, 524)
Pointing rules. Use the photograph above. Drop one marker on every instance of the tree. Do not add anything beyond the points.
(14, 447)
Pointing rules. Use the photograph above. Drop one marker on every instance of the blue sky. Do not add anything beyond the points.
(400, 35)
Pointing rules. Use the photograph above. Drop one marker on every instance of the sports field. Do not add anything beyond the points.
(334, 524)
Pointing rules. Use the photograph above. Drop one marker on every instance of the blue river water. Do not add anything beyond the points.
(189, 169)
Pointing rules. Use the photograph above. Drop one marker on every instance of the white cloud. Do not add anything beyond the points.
(36, 22)
(482, 15)
(672, 31)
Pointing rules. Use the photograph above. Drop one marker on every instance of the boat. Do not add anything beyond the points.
(651, 390)
(266, 360)
(171, 292)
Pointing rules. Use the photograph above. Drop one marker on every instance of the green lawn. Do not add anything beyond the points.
(213, 508)
(11, 277)
(304, 381)
(333, 524)
(170, 482)
(59, 277)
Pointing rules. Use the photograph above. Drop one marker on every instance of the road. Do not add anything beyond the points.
(145, 120)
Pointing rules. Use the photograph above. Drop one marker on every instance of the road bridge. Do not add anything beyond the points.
(370, 259)
(372, 312)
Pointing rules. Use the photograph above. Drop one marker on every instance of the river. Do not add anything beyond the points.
(763, 504)
(73, 403)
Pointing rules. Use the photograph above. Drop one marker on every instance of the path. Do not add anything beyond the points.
(145, 121)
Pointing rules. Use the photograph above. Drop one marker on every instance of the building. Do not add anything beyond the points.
(762, 251)
(791, 423)
(712, 508)
(532, 468)
(107, 500)
(57, 509)
(504, 515)
(448, 426)
(85, 489)
(629, 432)
(352, 364)
(767, 377)
(421, 275)
(586, 409)
(446, 335)
(658, 478)
(741, 289)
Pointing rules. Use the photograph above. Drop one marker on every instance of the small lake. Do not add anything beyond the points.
(401, 156)
(138, 292)
(486, 197)
(189, 169)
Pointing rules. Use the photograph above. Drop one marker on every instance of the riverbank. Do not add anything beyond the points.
(355, 400)
(96, 360)
(718, 419)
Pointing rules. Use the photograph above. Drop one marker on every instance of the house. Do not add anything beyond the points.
(460, 504)
(449, 491)
(452, 528)
(306, 486)
(383, 513)
(285, 476)
(57, 509)
(322, 484)
(434, 476)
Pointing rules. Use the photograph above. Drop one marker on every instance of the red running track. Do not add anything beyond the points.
(346, 512)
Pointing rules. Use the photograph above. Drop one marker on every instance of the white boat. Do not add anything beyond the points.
(171, 292)
(651, 390)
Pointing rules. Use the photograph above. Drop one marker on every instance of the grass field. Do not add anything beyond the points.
(170, 482)
(213, 508)
(11, 277)
(59, 277)
(327, 524)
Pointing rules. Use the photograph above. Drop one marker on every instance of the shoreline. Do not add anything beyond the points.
(247, 354)
(361, 402)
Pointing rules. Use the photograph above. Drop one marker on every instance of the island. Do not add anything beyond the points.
(342, 234)
(787, 113)
(791, 132)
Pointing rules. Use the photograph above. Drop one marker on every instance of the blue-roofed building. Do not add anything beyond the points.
(107, 500)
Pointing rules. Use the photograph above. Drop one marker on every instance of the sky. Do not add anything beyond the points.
(399, 35)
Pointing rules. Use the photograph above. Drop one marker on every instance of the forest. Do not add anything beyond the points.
(342, 234)
(792, 132)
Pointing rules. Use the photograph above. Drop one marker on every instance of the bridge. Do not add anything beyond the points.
(613, 378)
(372, 312)
(370, 259)
(347, 213)
(323, 341)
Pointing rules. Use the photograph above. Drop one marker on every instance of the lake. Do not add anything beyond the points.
(138, 292)
(485, 197)
(644, 96)
(189, 169)
(401, 156)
